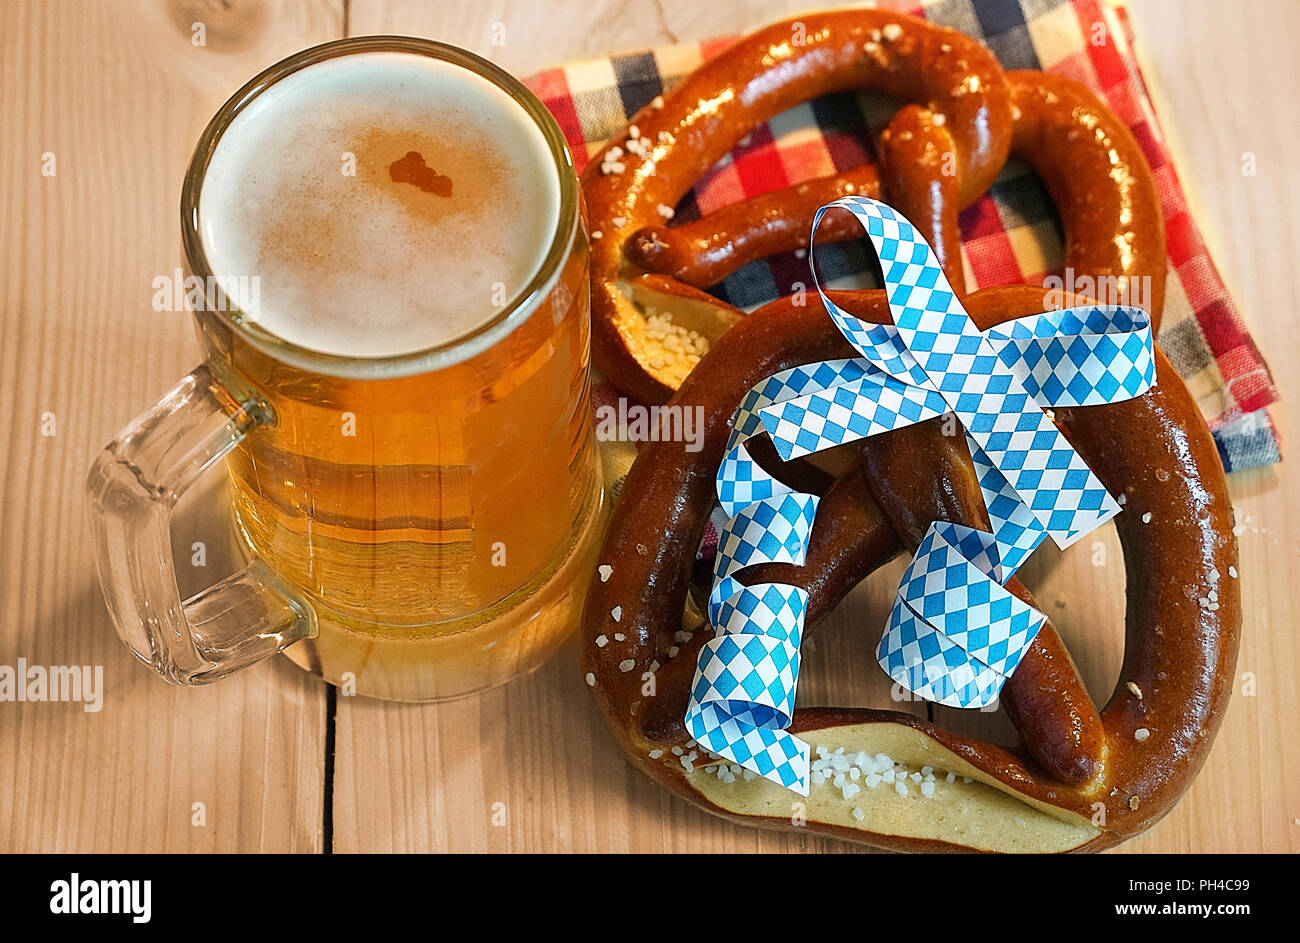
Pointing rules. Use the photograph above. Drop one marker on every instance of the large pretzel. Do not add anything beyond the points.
(1083, 779)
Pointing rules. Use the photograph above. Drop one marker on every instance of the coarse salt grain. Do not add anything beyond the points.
(591, 680)
(927, 788)
(627, 664)
(1137, 692)
(891, 32)
(1232, 571)
(605, 571)
(666, 211)
(620, 637)
(1141, 734)
(1146, 518)
(656, 753)
(619, 220)
(859, 814)
(602, 641)
(900, 786)
(616, 613)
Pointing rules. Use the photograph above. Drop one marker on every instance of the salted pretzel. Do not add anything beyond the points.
(938, 155)
(1082, 779)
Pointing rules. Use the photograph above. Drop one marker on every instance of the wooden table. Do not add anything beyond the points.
(118, 93)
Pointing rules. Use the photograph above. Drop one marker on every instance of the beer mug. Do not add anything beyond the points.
(386, 261)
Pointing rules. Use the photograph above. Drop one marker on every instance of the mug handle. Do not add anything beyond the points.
(132, 488)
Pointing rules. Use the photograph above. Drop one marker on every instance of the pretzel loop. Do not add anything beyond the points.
(1133, 758)
(956, 82)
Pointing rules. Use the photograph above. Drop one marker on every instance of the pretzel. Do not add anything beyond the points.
(937, 156)
(1081, 779)
(644, 174)
(1135, 757)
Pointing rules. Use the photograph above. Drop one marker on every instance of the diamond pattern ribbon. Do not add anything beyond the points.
(954, 634)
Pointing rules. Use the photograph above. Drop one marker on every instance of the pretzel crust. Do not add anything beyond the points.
(1156, 450)
(937, 155)
(1080, 779)
(709, 111)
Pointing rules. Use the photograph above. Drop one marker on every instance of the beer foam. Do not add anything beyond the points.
(386, 203)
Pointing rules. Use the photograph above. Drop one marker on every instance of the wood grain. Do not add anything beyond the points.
(1246, 798)
(117, 92)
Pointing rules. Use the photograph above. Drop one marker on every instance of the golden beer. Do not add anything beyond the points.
(429, 483)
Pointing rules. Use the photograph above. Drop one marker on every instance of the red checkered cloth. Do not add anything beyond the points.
(1009, 236)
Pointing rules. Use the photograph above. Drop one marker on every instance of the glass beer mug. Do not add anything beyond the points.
(401, 397)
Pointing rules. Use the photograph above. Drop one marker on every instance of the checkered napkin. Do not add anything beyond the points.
(955, 634)
(1009, 235)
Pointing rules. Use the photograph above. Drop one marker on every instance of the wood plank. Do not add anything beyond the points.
(1223, 86)
(119, 93)
(525, 37)
(415, 778)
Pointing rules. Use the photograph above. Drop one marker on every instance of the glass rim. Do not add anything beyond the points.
(468, 344)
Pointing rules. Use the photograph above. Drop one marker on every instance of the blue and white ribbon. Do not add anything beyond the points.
(954, 634)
